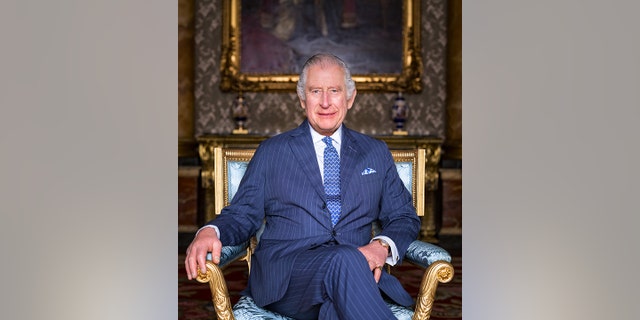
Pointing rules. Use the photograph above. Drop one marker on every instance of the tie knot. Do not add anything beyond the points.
(327, 141)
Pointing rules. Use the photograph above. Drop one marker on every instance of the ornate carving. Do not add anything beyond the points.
(219, 292)
(433, 163)
(439, 271)
(205, 151)
(432, 175)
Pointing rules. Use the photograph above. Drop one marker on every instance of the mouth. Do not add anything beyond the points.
(326, 114)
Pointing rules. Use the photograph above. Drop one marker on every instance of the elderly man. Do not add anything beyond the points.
(318, 188)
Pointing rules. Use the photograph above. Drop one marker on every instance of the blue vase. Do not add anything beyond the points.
(399, 114)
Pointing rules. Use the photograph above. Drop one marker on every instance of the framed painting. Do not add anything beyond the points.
(266, 42)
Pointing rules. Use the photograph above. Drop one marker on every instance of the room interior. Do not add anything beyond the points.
(206, 111)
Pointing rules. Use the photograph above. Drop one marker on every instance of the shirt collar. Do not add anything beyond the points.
(336, 136)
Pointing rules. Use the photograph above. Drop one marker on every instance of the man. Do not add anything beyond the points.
(316, 258)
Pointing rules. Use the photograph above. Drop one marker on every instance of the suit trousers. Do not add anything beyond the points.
(332, 282)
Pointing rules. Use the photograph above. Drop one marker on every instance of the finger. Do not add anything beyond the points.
(187, 268)
(377, 273)
(189, 263)
(192, 262)
(201, 260)
(215, 252)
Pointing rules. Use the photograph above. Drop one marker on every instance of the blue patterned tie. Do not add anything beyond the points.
(332, 179)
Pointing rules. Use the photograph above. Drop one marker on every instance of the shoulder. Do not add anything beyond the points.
(281, 141)
(365, 142)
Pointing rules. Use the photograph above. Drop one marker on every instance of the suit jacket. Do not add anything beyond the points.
(283, 187)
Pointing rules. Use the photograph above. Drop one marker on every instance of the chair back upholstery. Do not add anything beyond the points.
(230, 165)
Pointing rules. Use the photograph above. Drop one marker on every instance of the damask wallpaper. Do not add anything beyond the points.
(273, 113)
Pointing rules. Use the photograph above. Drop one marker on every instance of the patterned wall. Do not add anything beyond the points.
(272, 113)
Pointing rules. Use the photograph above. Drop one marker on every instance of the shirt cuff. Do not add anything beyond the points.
(209, 226)
(393, 258)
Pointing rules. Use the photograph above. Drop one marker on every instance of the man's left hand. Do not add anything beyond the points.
(376, 256)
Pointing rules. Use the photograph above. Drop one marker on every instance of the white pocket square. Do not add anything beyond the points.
(368, 171)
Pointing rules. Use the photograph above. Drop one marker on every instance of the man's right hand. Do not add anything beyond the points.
(206, 241)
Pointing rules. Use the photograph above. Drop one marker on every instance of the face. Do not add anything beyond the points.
(326, 102)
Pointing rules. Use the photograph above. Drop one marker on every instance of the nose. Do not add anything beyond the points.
(325, 100)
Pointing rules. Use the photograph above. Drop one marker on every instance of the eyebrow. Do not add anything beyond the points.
(328, 88)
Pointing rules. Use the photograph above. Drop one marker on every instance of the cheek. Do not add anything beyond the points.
(311, 102)
(342, 104)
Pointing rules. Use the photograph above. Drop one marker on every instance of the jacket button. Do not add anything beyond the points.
(334, 233)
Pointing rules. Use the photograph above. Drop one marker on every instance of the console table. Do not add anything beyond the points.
(432, 145)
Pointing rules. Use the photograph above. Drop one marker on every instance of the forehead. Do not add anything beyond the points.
(325, 74)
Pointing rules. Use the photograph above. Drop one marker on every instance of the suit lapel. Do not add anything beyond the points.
(302, 148)
(350, 156)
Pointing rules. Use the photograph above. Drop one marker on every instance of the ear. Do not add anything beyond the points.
(303, 103)
(353, 98)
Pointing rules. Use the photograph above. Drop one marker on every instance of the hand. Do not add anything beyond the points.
(206, 241)
(376, 256)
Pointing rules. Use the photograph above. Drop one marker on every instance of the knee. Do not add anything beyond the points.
(347, 256)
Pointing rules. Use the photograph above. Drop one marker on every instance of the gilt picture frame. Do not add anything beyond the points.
(265, 42)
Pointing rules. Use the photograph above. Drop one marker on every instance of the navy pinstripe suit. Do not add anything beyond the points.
(283, 185)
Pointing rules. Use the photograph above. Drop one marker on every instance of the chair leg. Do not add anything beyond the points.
(219, 292)
(439, 271)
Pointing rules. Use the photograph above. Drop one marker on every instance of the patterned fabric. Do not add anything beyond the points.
(229, 254)
(332, 179)
(424, 254)
(246, 309)
(401, 313)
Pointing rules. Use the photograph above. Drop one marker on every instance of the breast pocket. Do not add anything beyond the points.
(369, 188)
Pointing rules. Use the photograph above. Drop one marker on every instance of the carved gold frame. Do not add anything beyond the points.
(409, 80)
(416, 158)
(223, 156)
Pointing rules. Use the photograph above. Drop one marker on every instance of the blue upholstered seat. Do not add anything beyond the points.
(246, 309)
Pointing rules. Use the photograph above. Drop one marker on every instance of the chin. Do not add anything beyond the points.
(331, 128)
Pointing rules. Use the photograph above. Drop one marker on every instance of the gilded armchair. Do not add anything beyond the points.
(229, 167)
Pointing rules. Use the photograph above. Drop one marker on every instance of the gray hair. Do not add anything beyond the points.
(319, 59)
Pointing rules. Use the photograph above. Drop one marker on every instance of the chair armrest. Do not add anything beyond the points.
(215, 278)
(219, 292)
(437, 262)
(230, 253)
(424, 254)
